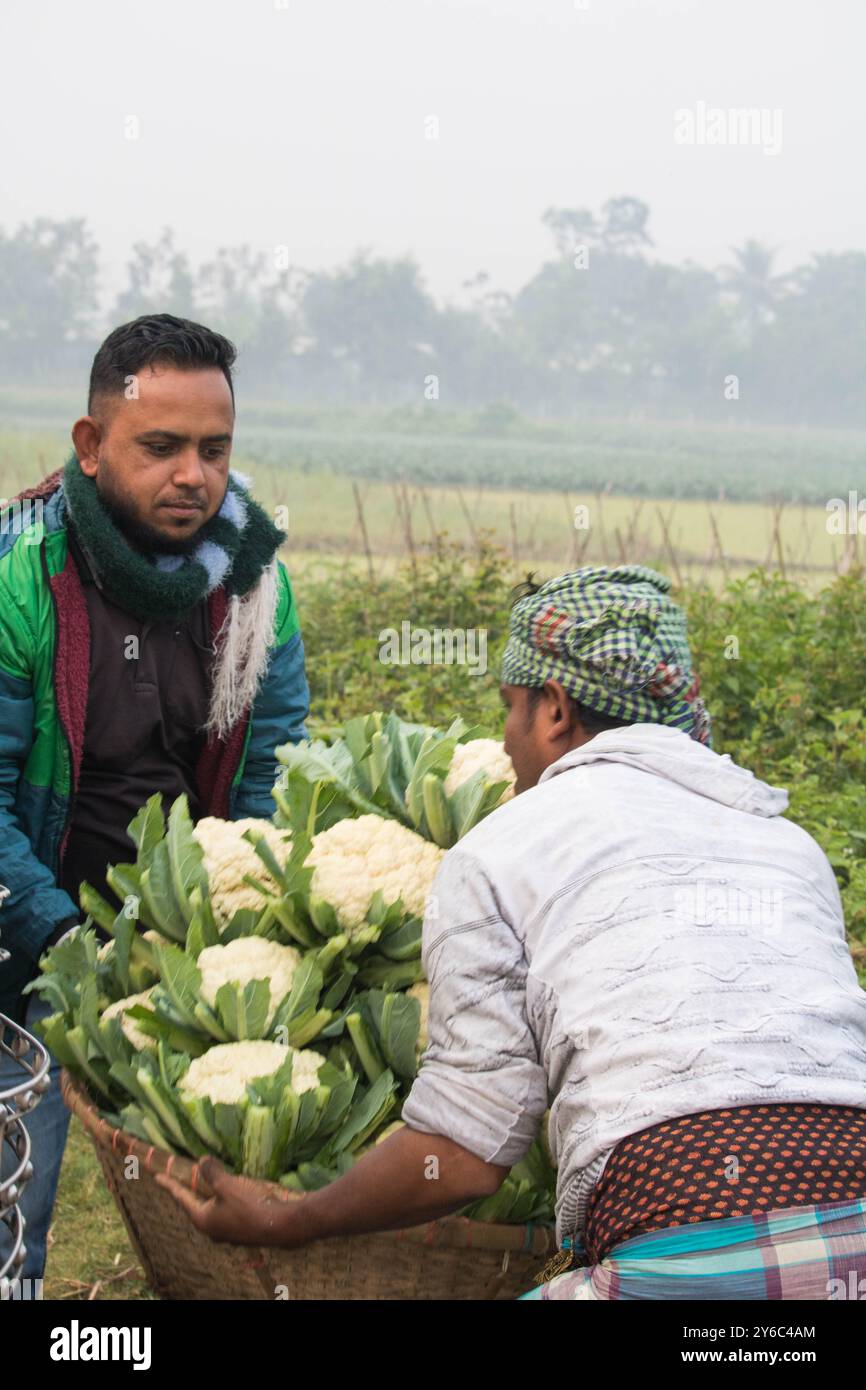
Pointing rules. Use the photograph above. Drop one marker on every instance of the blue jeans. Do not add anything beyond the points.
(47, 1126)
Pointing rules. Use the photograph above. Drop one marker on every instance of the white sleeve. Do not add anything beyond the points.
(480, 1083)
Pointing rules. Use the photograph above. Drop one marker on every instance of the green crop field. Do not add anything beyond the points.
(372, 523)
(496, 448)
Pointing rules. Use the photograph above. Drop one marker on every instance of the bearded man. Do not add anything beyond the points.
(149, 643)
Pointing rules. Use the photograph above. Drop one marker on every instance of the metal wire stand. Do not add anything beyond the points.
(16, 1101)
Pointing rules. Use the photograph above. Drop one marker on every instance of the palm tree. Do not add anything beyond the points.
(751, 281)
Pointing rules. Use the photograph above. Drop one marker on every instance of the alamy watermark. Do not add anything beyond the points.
(758, 907)
(21, 1290)
(22, 517)
(853, 1288)
(83, 1343)
(733, 125)
(846, 517)
(436, 646)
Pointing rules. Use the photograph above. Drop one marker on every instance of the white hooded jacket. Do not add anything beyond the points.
(641, 936)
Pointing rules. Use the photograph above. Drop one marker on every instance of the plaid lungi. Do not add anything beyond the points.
(813, 1252)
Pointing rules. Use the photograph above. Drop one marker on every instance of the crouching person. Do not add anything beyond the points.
(149, 642)
(640, 940)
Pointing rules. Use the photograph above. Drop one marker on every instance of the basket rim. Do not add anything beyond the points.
(531, 1238)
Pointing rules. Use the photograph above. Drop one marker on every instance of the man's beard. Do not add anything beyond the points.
(140, 536)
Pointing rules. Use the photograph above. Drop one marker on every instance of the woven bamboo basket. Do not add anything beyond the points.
(453, 1258)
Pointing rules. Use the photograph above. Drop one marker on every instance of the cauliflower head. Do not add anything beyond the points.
(132, 1034)
(228, 856)
(356, 857)
(222, 1073)
(481, 754)
(248, 958)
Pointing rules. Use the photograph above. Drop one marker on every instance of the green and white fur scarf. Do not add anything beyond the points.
(237, 549)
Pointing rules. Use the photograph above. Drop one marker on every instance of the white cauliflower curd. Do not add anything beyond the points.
(248, 958)
(133, 1034)
(486, 754)
(222, 1074)
(356, 857)
(228, 856)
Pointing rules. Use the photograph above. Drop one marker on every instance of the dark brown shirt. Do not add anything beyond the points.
(148, 698)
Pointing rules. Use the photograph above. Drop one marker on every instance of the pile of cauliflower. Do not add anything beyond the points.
(351, 861)
(354, 862)
(229, 1002)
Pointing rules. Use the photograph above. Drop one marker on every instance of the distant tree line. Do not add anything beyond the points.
(604, 327)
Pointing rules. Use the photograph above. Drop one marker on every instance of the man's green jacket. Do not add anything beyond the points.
(44, 672)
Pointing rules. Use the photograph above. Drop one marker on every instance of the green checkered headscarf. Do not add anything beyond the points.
(617, 643)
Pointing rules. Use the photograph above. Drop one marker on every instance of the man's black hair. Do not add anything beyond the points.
(593, 723)
(157, 339)
(527, 586)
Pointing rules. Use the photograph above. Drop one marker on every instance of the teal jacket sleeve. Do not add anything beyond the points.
(36, 904)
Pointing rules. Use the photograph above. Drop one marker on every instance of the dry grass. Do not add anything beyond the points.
(89, 1254)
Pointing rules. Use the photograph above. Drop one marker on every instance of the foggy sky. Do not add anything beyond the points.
(304, 126)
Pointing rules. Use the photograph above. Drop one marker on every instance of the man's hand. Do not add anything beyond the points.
(241, 1210)
(410, 1178)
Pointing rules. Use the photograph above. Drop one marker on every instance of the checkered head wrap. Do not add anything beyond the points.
(617, 643)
